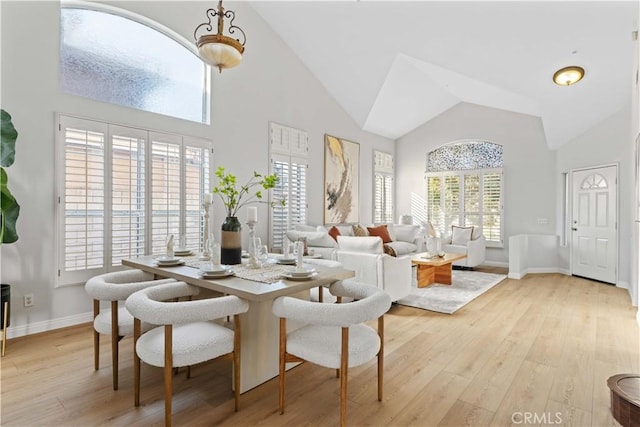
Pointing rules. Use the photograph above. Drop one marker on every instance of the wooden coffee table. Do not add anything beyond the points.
(432, 270)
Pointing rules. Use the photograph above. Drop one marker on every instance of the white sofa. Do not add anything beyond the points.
(468, 241)
(405, 238)
(365, 255)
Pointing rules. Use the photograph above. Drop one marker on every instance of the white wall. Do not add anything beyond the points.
(271, 84)
(529, 167)
(607, 143)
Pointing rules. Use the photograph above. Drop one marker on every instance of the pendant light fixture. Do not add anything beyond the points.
(217, 49)
(568, 75)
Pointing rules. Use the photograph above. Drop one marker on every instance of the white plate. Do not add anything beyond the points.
(170, 264)
(225, 273)
(218, 269)
(286, 261)
(288, 276)
(161, 259)
(304, 272)
(184, 252)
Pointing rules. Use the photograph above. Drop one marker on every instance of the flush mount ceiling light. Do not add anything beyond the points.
(568, 75)
(217, 49)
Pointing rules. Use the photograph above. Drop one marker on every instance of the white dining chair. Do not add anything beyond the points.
(115, 321)
(187, 336)
(334, 335)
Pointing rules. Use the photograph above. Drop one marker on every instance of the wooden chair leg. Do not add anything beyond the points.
(168, 373)
(344, 364)
(380, 356)
(5, 320)
(236, 360)
(137, 329)
(283, 349)
(189, 372)
(96, 337)
(114, 343)
(320, 293)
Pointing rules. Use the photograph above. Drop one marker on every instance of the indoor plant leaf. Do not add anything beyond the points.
(10, 211)
(8, 136)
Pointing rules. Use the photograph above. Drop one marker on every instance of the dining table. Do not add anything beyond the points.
(259, 287)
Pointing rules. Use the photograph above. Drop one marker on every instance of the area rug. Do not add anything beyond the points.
(465, 287)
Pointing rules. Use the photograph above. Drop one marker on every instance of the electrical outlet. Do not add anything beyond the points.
(28, 300)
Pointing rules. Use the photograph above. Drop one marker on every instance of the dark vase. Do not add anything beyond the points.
(230, 241)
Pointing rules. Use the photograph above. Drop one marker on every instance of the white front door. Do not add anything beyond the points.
(594, 235)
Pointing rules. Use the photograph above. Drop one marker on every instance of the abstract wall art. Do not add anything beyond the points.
(341, 180)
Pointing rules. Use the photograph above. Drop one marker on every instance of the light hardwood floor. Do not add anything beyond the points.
(542, 347)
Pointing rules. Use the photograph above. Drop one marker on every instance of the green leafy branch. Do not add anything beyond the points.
(234, 199)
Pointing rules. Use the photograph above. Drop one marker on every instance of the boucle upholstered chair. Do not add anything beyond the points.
(334, 335)
(117, 322)
(187, 336)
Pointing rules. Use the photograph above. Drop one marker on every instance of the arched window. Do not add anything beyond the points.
(464, 187)
(112, 55)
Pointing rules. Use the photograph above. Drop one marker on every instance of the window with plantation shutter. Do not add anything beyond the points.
(128, 193)
(166, 159)
(82, 198)
(464, 187)
(383, 189)
(121, 191)
(289, 161)
(197, 166)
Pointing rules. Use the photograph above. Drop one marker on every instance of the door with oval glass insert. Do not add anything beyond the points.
(594, 222)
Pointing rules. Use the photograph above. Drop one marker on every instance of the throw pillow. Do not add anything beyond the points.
(389, 250)
(380, 231)
(460, 235)
(359, 231)
(406, 233)
(334, 232)
(402, 248)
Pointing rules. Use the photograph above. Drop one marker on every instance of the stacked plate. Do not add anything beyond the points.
(182, 252)
(215, 271)
(300, 274)
(286, 261)
(165, 261)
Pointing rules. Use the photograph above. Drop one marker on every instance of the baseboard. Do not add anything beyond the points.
(496, 264)
(623, 285)
(48, 325)
(537, 270)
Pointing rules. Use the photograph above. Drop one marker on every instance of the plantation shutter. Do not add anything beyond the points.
(492, 206)
(288, 157)
(451, 202)
(165, 189)
(82, 198)
(297, 192)
(434, 202)
(279, 214)
(383, 187)
(128, 205)
(197, 166)
(472, 200)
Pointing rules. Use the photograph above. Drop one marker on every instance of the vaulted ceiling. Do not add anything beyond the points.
(395, 65)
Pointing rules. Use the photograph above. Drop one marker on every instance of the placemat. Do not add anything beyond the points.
(270, 273)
